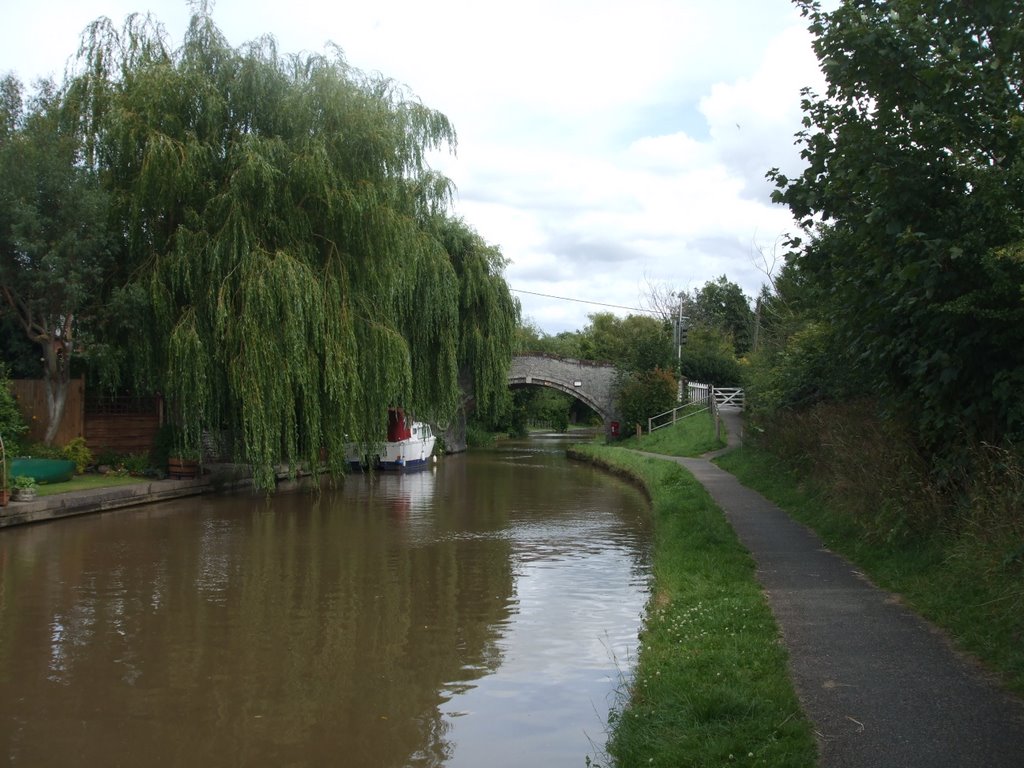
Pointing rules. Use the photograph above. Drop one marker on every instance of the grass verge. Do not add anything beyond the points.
(692, 435)
(979, 603)
(710, 685)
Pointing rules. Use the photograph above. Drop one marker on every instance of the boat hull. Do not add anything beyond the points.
(406, 455)
(407, 466)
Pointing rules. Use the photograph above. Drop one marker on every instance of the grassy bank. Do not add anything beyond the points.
(710, 685)
(692, 435)
(967, 582)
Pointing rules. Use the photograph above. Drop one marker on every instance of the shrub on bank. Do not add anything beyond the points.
(12, 425)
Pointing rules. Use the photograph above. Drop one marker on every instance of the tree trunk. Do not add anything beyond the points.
(56, 341)
(56, 378)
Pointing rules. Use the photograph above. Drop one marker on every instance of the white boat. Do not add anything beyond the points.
(410, 444)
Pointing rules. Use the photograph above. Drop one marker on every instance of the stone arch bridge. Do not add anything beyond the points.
(590, 383)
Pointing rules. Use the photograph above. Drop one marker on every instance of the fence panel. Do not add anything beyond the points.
(30, 395)
(122, 424)
(698, 393)
(118, 424)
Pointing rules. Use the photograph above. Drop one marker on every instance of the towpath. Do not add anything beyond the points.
(882, 686)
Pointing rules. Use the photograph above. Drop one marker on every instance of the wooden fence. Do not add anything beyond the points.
(122, 424)
(31, 397)
(116, 424)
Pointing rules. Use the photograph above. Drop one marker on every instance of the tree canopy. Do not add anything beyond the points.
(54, 243)
(284, 267)
(911, 206)
(632, 343)
(721, 305)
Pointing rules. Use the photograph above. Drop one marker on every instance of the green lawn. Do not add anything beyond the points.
(86, 482)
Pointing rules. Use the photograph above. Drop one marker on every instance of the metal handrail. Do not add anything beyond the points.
(650, 421)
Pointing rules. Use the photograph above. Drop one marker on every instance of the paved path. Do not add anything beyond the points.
(882, 686)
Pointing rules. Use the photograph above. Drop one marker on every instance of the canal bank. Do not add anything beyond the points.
(880, 685)
(711, 684)
(219, 477)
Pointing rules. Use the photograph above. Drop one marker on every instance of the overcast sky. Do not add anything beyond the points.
(604, 146)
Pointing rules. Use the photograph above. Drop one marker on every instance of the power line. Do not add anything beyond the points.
(584, 301)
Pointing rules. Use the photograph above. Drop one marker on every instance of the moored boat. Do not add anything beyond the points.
(410, 444)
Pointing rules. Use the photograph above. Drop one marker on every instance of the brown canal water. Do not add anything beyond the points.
(481, 613)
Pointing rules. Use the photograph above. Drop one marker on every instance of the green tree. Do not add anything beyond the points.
(708, 358)
(642, 394)
(601, 340)
(12, 424)
(911, 207)
(282, 252)
(633, 343)
(796, 363)
(55, 246)
(488, 313)
(722, 305)
(530, 339)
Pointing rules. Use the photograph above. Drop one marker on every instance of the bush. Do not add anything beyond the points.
(77, 451)
(44, 451)
(477, 436)
(867, 466)
(135, 463)
(708, 358)
(165, 444)
(12, 425)
(642, 395)
(108, 458)
(802, 373)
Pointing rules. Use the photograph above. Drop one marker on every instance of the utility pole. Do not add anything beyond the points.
(679, 334)
(680, 338)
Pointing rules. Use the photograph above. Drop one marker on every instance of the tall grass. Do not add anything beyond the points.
(710, 685)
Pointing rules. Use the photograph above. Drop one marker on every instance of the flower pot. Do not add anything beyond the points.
(179, 467)
(23, 494)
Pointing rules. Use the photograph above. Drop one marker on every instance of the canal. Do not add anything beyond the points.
(480, 613)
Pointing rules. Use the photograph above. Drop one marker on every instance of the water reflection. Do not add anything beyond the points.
(422, 619)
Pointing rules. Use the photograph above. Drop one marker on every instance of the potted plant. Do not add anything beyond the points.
(183, 463)
(24, 488)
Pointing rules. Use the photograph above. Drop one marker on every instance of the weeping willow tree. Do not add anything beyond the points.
(488, 314)
(279, 240)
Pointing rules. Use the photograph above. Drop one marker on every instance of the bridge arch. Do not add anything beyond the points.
(589, 382)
